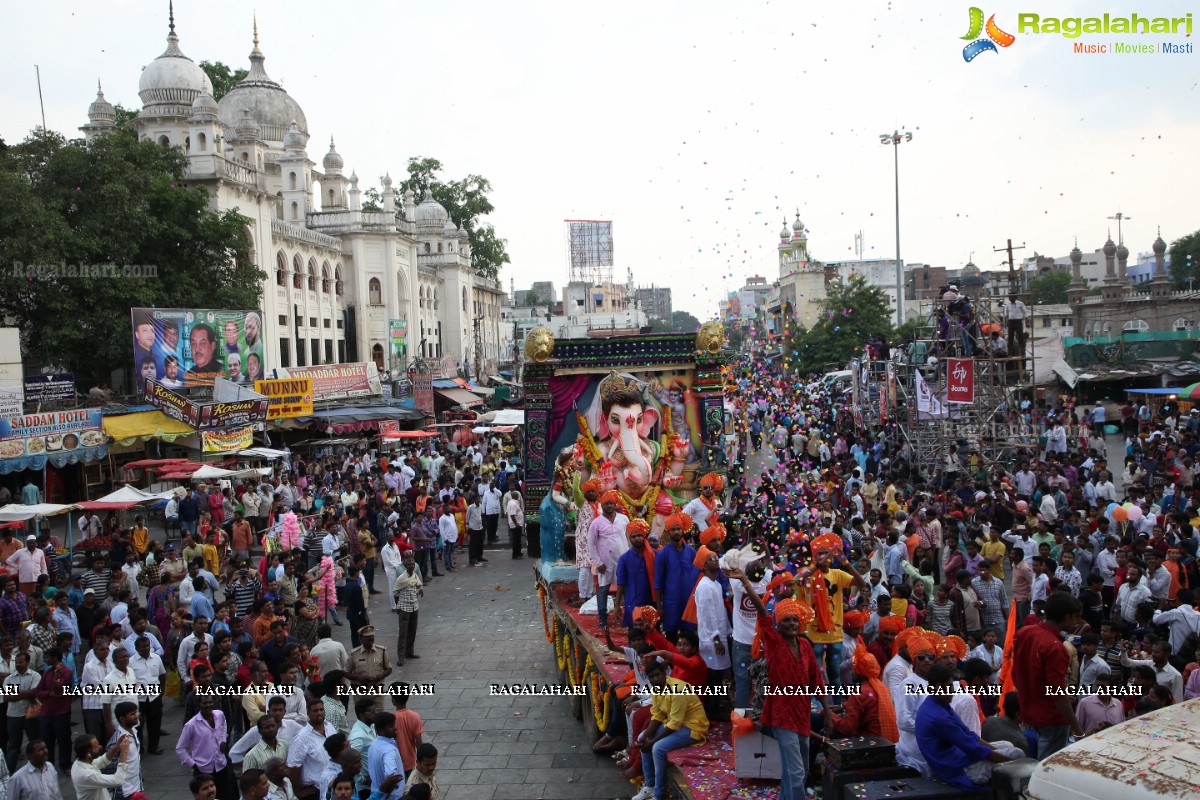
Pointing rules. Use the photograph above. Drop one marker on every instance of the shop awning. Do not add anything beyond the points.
(408, 435)
(263, 452)
(459, 397)
(509, 416)
(128, 428)
(482, 391)
(15, 511)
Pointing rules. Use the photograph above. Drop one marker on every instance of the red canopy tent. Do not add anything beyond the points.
(99, 505)
(151, 462)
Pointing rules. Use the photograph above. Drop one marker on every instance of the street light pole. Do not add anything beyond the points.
(894, 139)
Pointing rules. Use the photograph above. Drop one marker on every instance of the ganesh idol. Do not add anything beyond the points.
(625, 446)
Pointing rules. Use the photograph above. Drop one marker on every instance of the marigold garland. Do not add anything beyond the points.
(601, 703)
(541, 590)
(560, 647)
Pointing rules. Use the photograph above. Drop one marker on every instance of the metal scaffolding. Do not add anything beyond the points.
(994, 425)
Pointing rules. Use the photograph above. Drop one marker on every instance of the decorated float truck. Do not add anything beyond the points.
(641, 414)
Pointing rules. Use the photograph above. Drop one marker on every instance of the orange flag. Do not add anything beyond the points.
(1006, 681)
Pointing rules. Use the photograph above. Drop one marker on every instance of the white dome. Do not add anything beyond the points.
(431, 215)
(798, 226)
(450, 229)
(294, 139)
(333, 159)
(204, 106)
(101, 111)
(171, 82)
(268, 103)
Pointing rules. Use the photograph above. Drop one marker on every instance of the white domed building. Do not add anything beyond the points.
(337, 275)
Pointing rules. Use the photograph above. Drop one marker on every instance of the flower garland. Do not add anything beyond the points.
(541, 590)
(560, 648)
(601, 703)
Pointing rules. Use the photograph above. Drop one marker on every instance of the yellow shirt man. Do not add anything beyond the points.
(678, 707)
(836, 582)
(141, 539)
(994, 552)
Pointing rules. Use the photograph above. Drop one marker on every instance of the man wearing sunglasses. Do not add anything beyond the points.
(913, 692)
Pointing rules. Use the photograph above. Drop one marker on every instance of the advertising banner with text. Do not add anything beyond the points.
(960, 380)
(290, 397)
(338, 381)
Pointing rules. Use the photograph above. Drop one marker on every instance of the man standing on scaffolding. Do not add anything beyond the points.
(1016, 312)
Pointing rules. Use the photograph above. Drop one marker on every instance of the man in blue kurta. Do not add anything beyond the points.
(954, 753)
(675, 575)
(635, 572)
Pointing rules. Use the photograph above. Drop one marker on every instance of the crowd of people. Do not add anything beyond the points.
(236, 624)
(983, 612)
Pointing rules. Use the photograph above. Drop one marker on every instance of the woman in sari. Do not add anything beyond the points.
(307, 615)
(161, 603)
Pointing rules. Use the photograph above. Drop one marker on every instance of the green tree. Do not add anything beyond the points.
(113, 204)
(223, 78)
(1050, 288)
(853, 313)
(1185, 260)
(467, 203)
(680, 322)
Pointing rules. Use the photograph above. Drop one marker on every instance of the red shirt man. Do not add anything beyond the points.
(1040, 665)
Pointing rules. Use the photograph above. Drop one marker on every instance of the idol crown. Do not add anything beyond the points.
(614, 384)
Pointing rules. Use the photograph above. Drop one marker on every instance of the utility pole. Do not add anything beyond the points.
(1012, 272)
(895, 139)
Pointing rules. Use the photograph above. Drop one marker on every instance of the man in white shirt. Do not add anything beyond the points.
(288, 730)
(490, 497)
(188, 646)
(607, 542)
(1181, 622)
(907, 700)
(149, 671)
(448, 530)
(97, 664)
(1106, 492)
(1165, 673)
(706, 504)
(1132, 592)
(307, 757)
(1016, 313)
(330, 654)
(516, 524)
(126, 723)
(745, 619)
(1158, 580)
(30, 563)
(121, 683)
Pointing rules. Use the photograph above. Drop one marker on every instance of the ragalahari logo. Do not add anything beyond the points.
(995, 36)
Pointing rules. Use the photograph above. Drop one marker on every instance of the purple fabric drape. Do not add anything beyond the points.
(565, 392)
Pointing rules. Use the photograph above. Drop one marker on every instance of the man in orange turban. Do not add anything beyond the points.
(823, 588)
(883, 647)
(870, 712)
(713, 533)
(675, 574)
(708, 504)
(607, 542)
(908, 699)
(635, 571)
(583, 559)
(611, 496)
(790, 662)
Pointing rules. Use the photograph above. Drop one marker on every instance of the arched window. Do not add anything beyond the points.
(375, 292)
(280, 269)
(1135, 326)
(295, 212)
(325, 287)
(331, 197)
(428, 247)
(337, 280)
(246, 157)
(201, 142)
(187, 144)
(421, 297)
(164, 141)
(297, 272)
(377, 355)
(1183, 324)
(312, 274)
(439, 247)
(292, 180)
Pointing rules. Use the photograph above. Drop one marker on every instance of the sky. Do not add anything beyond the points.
(696, 127)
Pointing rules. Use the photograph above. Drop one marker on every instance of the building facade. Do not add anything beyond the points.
(337, 274)
(654, 301)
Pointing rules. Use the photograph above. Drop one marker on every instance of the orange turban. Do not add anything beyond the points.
(906, 635)
(867, 666)
(612, 495)
(828, 541)
(638, 526)
(702, 556)
(713, 532)
(780, 579)
(919, 645)
(648, 614)
(855, 619)
(892, 623)
(714, 480)
(953, 644)
(678, 520)
(793, 608)
(592, 485)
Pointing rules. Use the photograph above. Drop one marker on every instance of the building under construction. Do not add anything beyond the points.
(965, 381)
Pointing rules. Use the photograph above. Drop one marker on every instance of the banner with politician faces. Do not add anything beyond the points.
(189, 348)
